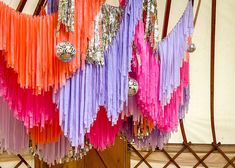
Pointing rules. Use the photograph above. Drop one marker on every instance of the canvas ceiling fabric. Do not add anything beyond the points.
(34, 59)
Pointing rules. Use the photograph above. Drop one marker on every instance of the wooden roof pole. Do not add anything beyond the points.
(21, 5)
(39, 7)
(166, 18)
(197, 11)
(212, 69)
(181, 121)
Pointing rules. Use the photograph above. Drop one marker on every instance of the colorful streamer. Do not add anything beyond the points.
(102, 133)
(29, 42)
(13, 136)
(79, 100)
(33, 110)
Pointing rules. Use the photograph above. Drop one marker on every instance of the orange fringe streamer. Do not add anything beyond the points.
(47, 134)
(29, 43)
(146, 125)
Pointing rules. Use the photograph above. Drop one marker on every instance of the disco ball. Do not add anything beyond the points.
(132, 87)
(65, 51)
(191, 47)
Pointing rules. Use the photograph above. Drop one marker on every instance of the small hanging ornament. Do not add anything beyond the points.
(66, 15)
(65, 51)
(133, 87)
(191, 47)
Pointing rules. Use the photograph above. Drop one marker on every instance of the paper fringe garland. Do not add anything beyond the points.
(29, 43)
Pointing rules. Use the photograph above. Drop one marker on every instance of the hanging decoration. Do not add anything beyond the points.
(149, 74)
(79, 100)
(191, 47)
(147, 142)
(106, 26)
(150, 13)
(52, 6)
(102, 133)
(33, 110)
(65, 51)
(66, 15)
(48, 133)
(171, 59)
(53, 152)
(34, 59)
(130, 84)
(132, 87)
(13, 136)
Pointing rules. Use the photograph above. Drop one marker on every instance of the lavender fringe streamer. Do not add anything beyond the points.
(13, 136)
(79, 100)
(170, 60)
(52, 6)
(53, 152)
(184, 107)
(131, 109)
(155, 139)
(172, 50)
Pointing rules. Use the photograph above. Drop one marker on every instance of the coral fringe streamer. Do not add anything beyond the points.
(29, 44)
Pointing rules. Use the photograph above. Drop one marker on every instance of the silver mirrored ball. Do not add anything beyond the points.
(65, 51)
(191, 47)
(132, 87)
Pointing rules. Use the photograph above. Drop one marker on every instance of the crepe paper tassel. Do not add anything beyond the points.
(102, 134)
(122, 3)
(66, 15)
(150, 15)
(53, 152)
(14, 139)
(34, 59)
(52, 6)
(148, 74)
(106, 25)
(13, 136)
(155, 139)
(49, 133)
(148, 95)
(118, 59)
(172, 50)
(31, 109)
(131, 109)
(79, 100)
(143, 128)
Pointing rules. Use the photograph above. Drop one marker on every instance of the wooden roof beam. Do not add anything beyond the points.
(166, 18)
(21, 5)
(39, 6)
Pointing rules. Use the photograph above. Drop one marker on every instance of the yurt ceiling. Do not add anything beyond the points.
(197, 122)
